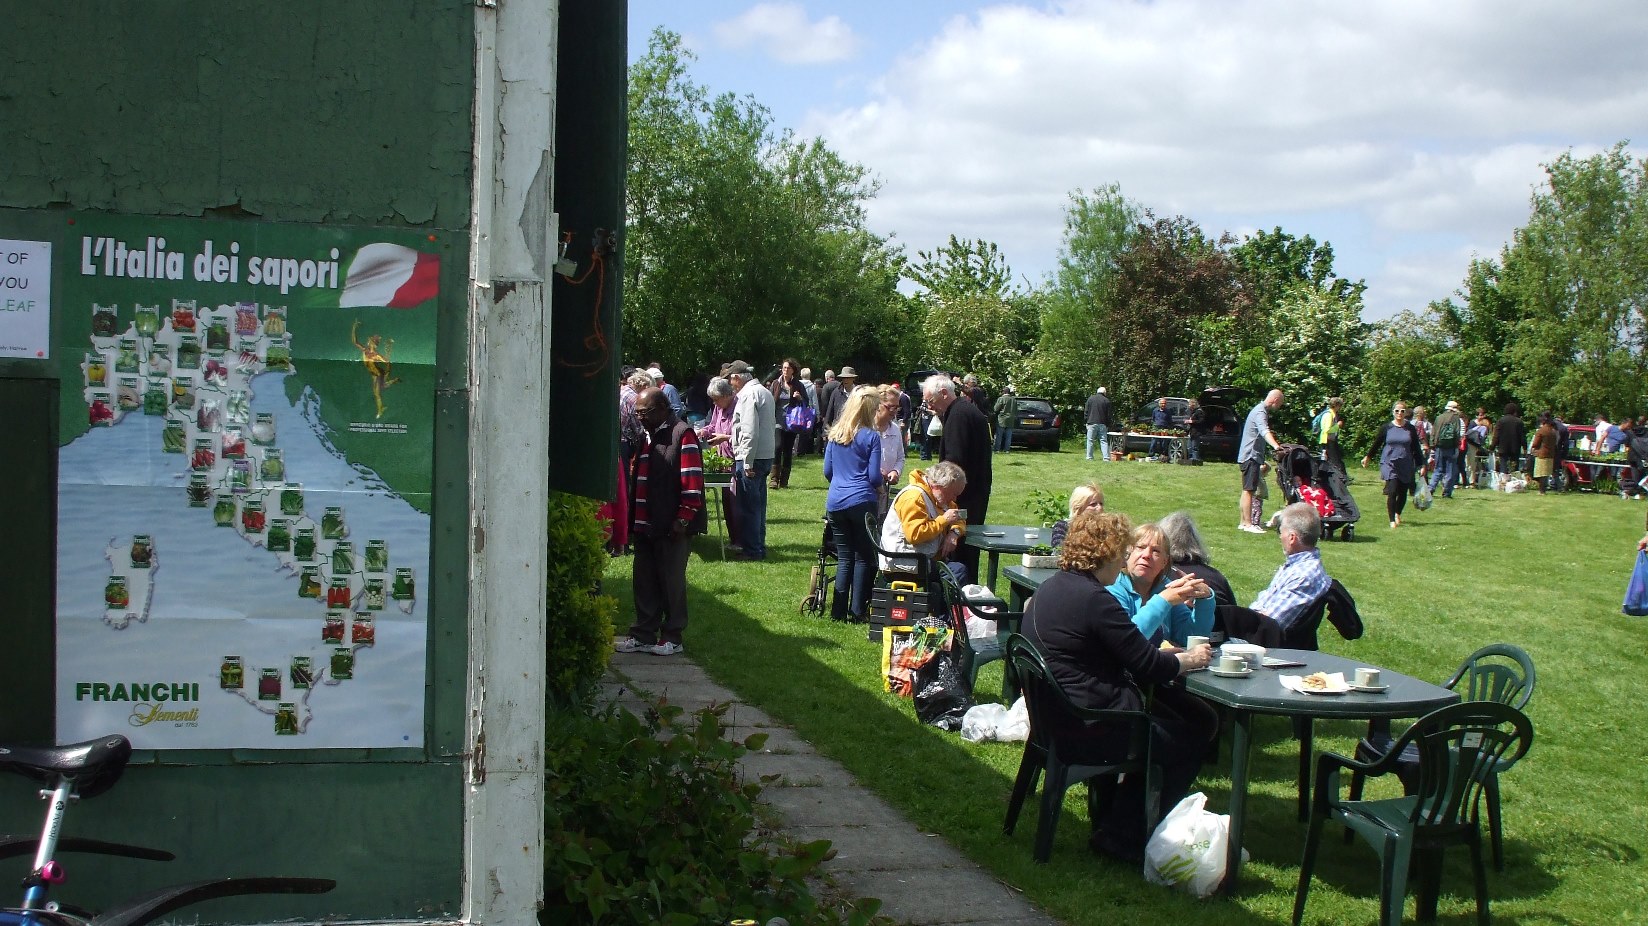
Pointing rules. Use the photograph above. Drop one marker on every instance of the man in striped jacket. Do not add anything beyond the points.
(667, 509)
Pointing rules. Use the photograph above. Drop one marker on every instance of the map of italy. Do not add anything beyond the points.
(194, 368)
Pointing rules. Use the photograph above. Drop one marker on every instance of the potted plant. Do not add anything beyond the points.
(1041, 556)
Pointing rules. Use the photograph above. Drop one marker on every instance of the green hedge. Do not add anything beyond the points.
(578, 617)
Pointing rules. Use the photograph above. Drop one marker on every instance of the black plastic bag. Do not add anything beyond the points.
(943, 692)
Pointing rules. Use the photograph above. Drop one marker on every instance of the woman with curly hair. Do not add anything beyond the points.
(1097, 655)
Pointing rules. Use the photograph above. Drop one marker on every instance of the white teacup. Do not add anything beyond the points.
(1367, 678)
(1193, 642)
(1232, 664)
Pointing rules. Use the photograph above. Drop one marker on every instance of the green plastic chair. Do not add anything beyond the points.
(1458, 748)
(1007, 624)
(1499, 672)
(1043, 697)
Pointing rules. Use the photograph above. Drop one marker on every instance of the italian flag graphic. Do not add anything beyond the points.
(390, 275)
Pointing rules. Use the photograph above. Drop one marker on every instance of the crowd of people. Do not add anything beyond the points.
(875, 503)
(757, 428)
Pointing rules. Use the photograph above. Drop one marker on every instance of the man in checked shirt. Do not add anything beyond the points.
(668, 508)
(1301, 580)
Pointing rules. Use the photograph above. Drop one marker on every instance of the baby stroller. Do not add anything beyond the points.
(1295, 462)
(822, 579)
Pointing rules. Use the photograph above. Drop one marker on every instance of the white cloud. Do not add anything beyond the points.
(1410, 131)
(783, 32)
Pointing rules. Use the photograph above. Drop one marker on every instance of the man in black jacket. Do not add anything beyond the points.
(1098, 423)
(966, 443)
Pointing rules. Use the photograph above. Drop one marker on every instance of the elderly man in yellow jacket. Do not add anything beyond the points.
(924, 519)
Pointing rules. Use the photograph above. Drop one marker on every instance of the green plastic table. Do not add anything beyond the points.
(996, 539)
(1262, 693)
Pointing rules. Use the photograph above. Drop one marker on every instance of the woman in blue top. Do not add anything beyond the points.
(852, 464)
(1162, 610)
(1172, 612)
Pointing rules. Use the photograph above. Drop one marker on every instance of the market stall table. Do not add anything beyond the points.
(1263, 693)
(713, 484)
(996, 539)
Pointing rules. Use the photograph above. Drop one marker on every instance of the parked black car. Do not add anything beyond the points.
(1221, 424)
(1036, 424)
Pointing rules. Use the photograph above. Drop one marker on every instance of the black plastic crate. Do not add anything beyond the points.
(895, 607)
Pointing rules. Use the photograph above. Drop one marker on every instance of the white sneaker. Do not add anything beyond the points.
(629, 645)
(666, 648)
(1250, 528)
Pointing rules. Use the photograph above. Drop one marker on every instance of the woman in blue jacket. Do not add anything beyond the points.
(852, 464)
(1162, 610)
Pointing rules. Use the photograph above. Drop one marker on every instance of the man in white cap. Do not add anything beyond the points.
(754, 440)
(1450, 432)
(1098, 423)
(671, 394)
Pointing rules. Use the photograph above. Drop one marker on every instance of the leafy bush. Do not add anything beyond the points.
(578, 617)
(646, 821)
(1047, 507)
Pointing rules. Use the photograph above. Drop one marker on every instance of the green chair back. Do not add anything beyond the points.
(1044, 699)
(1499, 672)
(1461, 749)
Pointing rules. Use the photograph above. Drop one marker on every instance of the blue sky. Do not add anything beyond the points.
(1408, 134)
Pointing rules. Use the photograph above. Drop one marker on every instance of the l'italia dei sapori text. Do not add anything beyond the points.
(111, 257)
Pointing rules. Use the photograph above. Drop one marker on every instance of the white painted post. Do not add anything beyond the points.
(512, 237)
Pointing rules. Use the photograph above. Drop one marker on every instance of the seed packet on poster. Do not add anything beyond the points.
(183, 315)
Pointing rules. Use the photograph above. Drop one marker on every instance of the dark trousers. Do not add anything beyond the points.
(1181, 728)
(977, 507)
(785, 460)
(1396, 496)
(659, 580)
(855, 556)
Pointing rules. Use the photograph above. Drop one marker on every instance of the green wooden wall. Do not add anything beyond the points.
(353, 113)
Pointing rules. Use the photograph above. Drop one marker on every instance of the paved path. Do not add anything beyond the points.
(917, 876)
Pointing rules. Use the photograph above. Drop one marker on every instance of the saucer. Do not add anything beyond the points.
(1369, 689)
(1246, 671)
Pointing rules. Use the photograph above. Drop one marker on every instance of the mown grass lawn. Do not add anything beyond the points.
(1546, 573)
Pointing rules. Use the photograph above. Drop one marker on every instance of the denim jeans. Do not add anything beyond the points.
(751, 478)
(856, 564)
(1004, 438)
(1098, 431)
(1447, 469)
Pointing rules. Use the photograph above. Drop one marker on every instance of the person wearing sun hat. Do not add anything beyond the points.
(1450, 431)
(836, 394)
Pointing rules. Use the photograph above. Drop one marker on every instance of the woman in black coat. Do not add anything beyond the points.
(1510, 438)
(1097, 656)
(1401, 452)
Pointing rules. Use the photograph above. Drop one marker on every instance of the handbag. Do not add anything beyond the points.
(799, 418)
(1636, 591)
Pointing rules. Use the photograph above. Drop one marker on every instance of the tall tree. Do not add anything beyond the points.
(1304, 333)
(741, 240)
(1169, 278)
(1072, 356)
(974, 320)
(962, 267)
(1579, 270)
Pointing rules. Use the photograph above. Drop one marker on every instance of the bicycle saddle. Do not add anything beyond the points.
(94, 766)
